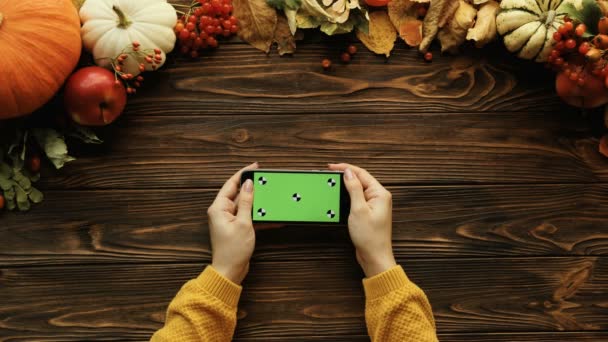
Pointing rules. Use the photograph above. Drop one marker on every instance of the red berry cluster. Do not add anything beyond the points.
(345, 57)
(152, 57)
(577, 55)
(203, 24)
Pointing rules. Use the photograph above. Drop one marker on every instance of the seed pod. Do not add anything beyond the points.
(593, 55)
(601, 41)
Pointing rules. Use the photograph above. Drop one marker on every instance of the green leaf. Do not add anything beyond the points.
(588, 14)
(5, 170)
(5, 183)
(10, 204)
(54, 146)
(23, 202)
(285, 4)
(35, 195)
(84, 134)
(10, 193)
(22, 180)
(23, 148)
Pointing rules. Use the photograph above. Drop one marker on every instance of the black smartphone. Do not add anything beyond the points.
(291, 196)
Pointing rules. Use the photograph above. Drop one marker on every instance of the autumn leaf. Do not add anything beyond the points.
(438, 14)
(403, 17)
(78, 3)
(454, 34)
(286, 42)
(382, 34)
(604, 145)
(484, 30)
(257, 22)
(603, 6)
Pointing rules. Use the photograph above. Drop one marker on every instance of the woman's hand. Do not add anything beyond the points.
(370, 221)
(231, 228)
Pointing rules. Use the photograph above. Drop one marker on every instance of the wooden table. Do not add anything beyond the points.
(500, 196)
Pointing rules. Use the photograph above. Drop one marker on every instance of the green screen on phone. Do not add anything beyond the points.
(301, 197)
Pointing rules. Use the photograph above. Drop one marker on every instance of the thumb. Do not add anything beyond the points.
(355, 191)
(245, 201)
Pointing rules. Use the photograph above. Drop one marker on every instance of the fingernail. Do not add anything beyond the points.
(348, 174)
(248, 186)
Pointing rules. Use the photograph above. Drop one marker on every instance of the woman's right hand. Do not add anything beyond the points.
(370, 220)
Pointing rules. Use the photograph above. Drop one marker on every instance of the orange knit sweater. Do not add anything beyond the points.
(205, 309)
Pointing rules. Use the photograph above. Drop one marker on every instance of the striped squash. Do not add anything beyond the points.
(528, 26)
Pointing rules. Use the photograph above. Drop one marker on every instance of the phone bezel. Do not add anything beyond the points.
(344, 197)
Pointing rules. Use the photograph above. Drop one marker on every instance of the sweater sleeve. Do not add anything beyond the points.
(203, 310)
(396, 309)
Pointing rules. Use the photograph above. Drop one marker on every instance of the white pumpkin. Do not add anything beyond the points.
(110, 26)
(528, 26)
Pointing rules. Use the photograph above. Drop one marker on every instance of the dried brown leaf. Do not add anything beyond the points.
(257, 22)
(411, 31)
(436, 17)
(403, 16)
(450, 8)
(604, 145)
(382, 34)
(454, 34)
(286, 42)
(78, 3)
(484, 30)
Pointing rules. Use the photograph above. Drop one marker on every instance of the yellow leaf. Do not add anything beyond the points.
(454, 34)
(484, 30)
(437, 16)
(257, 22)
(382, 34)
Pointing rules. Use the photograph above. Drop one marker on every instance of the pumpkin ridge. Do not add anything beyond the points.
(540, 48)
(528, 40)
(38, 65)
(516, 10)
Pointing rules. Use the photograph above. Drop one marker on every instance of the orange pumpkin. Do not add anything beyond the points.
(40, 46)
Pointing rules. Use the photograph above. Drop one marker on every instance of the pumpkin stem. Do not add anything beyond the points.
(1, 19)
(123, 21)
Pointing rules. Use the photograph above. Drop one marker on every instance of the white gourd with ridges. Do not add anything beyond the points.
(528, 26)
(109, 26)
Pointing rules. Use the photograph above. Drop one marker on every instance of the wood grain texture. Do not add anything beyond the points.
(468, 337)
(240, 79)
(170, 226)
(195, 152)
(321, 298)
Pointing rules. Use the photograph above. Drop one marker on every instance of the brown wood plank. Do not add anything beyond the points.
(170, 226)
(485, 337)
(186, 152)
(240, 79)
(527, 337)
(311, 298)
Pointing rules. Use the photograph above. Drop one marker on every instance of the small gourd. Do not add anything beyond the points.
(110, 26)
(528, 26)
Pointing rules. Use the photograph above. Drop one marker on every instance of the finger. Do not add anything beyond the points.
(366, 179)
(355, 191)
(245, 202)
(223, 205)
(231, 187)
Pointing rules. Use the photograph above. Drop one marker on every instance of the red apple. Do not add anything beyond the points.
(591, 94)
(92, 97)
